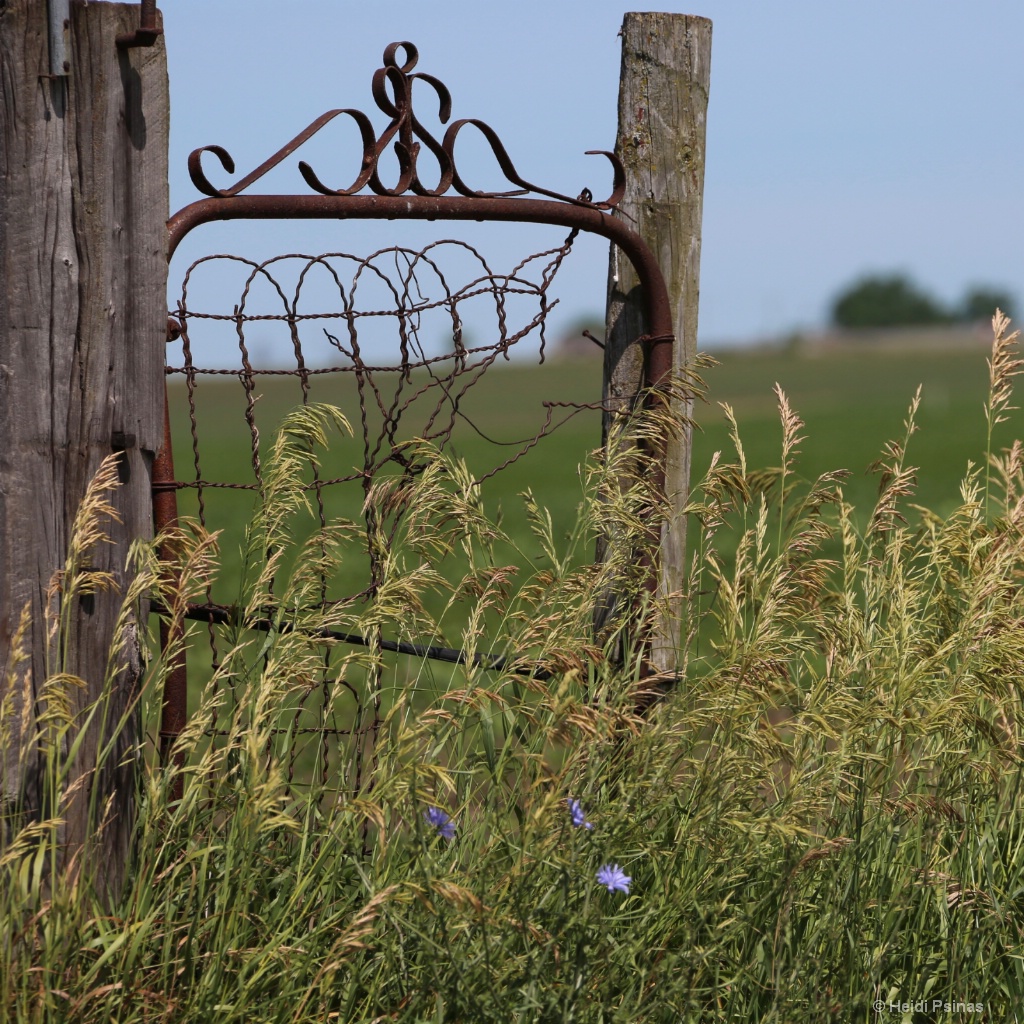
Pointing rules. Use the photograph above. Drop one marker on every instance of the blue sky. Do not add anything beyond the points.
(843, 137)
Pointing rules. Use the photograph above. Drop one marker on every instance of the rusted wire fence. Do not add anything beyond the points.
(395, 340)
(398, 346)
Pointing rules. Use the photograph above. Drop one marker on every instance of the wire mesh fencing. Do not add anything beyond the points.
(408, 345)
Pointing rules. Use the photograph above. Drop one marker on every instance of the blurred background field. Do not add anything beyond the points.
(498, 418)
(853, 398)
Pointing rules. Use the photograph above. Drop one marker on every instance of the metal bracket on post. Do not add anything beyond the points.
(60, 23)
(147, 32)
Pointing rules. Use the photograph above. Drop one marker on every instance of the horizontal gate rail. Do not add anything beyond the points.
(224, 615)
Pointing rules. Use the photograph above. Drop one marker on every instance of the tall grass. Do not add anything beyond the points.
(823, 817)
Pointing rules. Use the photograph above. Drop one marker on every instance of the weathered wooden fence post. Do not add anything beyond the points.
(83, 205)
(663, 98)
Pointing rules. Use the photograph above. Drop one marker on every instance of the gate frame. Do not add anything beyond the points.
(408, 200)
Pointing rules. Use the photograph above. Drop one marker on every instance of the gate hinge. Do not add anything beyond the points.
(147, 32)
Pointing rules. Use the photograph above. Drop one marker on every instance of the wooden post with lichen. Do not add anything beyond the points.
(83, 205)
(663, 99)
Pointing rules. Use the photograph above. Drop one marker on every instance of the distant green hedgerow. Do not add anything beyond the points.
(893, 300)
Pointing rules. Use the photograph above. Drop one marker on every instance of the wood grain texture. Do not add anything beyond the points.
(663, 98)
(83, 203)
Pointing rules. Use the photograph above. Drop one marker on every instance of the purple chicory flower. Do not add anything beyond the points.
(612, 876)
(437, 819)
(579, 819)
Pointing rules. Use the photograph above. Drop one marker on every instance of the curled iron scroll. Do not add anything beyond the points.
(392, 89)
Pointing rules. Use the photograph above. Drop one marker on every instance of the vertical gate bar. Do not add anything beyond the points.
(172, 633)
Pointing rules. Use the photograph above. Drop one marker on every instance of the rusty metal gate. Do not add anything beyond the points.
(444, 377)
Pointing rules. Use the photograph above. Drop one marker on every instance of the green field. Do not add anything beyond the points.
(496, 420)
(852, 402)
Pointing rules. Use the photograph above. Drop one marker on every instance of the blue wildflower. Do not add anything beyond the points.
(612, 876)
(579, 819)
(437, 819)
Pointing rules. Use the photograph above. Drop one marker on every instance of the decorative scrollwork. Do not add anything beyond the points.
(408, 137)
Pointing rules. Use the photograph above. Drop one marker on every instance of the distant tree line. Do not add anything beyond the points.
(896, 301)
